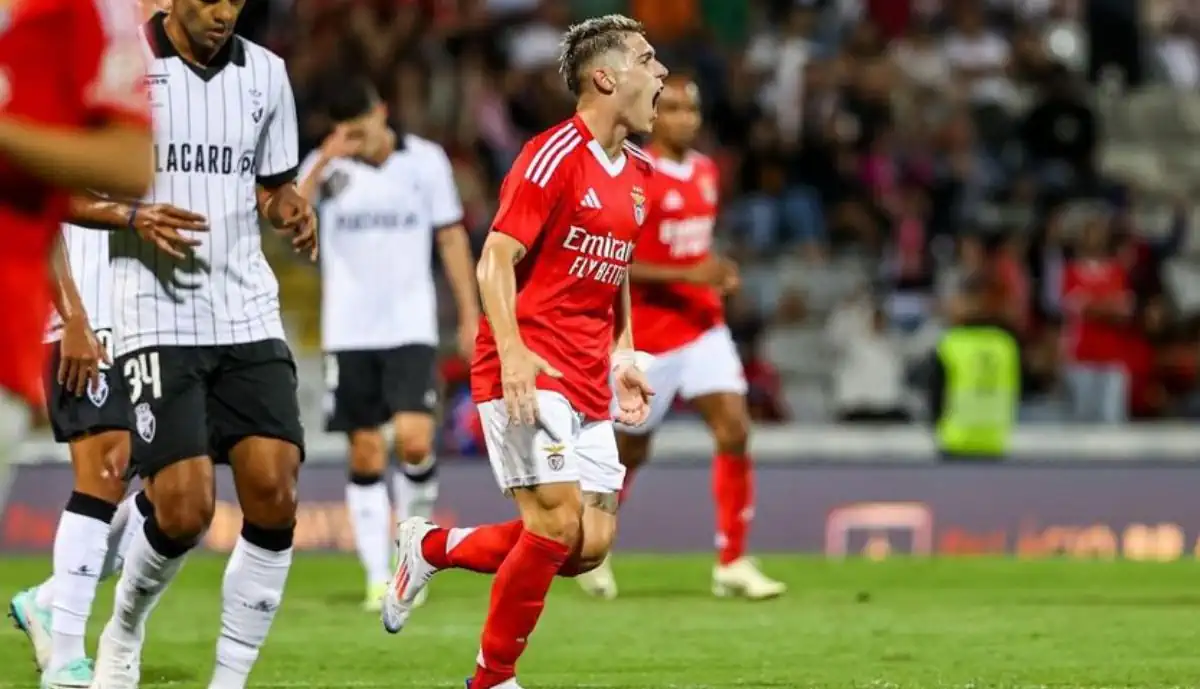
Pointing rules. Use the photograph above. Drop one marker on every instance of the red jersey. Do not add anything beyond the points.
(1091, 340)
(579, 216)
(100, 77)
(667, 316)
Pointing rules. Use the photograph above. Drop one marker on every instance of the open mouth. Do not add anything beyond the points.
(654, 100)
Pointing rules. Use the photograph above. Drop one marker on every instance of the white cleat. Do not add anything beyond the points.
(413, 573)
(34, 621)
(742, 578)
(599, 582)
(118, 659)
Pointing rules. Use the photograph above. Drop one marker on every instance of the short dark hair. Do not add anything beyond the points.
(592, 37)
(349, 98)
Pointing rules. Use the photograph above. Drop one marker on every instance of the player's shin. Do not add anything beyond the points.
(80, 547)
(151, 563)
(553, 530)
(370, 517)
(252, 591)
(416, 489)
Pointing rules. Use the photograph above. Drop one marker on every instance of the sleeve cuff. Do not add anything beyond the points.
(278, 179)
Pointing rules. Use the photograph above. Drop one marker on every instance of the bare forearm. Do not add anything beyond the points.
(311, 184)
(66, 297)
(114, 160)
(498, 291)
(94, 212)
(623, 333)
(455, 249)
(640, 271)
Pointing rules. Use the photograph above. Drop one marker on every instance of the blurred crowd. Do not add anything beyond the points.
(875, 153)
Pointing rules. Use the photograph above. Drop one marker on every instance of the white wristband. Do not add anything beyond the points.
(624, 358)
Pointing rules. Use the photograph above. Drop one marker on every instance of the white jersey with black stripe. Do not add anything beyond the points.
(377, 230)
(219, 131)
(87, 255)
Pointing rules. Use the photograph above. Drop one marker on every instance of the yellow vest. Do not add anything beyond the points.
(983, 389)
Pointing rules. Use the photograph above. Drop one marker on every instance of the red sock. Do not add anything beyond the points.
(733, 492)
(518, 597)
(481, 549)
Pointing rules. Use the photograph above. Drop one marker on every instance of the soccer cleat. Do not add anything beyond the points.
(118, 658)
(743, 578)
(34, 621)
(506, 684)
(599, 582)
(413, 573)
(77, 674)
(374, 600)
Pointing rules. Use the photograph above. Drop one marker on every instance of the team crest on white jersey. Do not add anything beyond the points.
(145, 421)
(639, 204)
(256, 105)
(98, 391)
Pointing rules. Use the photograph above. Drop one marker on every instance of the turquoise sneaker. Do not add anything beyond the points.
(74, 675)
(35, 622)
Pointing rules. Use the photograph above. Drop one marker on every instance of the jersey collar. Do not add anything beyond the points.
(233, 52)
(611, 166)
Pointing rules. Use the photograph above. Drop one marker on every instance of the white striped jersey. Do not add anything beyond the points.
(87, 255)
(219, 131)
(377, 229)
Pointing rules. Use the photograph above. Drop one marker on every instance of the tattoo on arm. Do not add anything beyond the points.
(605, 502)
(518, 255)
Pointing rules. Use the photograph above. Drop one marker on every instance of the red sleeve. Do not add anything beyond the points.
(111, 66)
(530, 193)
(1072, 296)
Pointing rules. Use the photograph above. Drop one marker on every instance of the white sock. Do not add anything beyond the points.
(252, 591)
(44, 597)
(416, 489)
(126, 522)
(370, 515)
(80, 545)
(144, 577)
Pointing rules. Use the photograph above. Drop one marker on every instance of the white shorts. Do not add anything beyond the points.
(708, 365)
(562, 447)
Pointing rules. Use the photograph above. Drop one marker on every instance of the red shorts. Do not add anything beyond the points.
(24, 311)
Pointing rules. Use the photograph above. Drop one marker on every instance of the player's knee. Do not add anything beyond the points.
(731, 433)
(368, 453)
(184, 499)
(99, 463)
(267, 490)
(413, 448)
(562, 522)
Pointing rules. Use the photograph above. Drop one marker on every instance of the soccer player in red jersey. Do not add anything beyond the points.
(69, 120)
(553, 277)
(677, 285)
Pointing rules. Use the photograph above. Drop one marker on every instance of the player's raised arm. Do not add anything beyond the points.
(454, 248)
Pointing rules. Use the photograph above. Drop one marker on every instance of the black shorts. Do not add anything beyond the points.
(201, 401)
(367, 388)
(104, 407)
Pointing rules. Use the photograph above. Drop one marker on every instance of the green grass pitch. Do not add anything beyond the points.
(969, 624)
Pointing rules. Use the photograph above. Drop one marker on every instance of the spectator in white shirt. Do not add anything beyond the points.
(979, 58)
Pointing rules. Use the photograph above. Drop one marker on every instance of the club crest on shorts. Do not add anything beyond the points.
(146, 423)
(639, 204)
(555, 458)
(98, 391)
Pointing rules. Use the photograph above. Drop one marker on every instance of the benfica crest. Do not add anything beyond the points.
(639, 204)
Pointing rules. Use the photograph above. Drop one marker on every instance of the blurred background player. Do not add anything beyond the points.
(200, 339)
(676, 286)
(92, 134)
(383, 198)
(555, 291)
